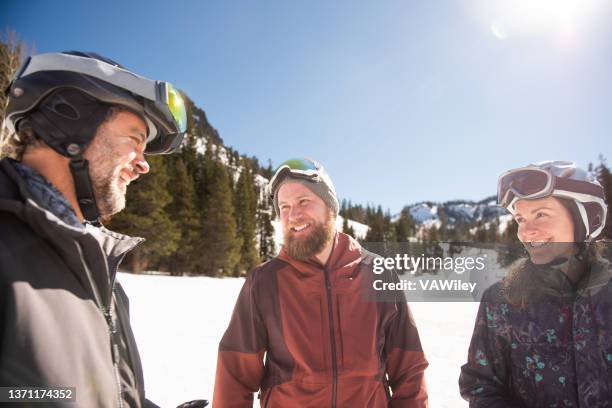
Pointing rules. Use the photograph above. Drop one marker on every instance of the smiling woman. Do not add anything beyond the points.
(531, 325)
(546, 229)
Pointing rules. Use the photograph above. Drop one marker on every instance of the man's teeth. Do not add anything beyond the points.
(300, 228)
(538, 244)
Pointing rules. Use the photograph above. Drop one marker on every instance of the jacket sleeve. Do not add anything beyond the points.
(241, 350)
(484, 378)
(405, 360)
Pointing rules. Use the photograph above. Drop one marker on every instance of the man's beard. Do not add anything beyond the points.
(304, 248)
(104, 172)
(110, 197)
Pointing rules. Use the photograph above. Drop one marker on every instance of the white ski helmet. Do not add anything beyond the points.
(561, 179)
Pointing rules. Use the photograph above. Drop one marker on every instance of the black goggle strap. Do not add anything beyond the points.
(79, 168)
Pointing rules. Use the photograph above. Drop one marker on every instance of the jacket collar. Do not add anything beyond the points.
(17, 197)
(556, 283)
(46, 195)
(599, 276)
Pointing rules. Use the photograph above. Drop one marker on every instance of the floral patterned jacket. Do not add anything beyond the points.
(555, 352)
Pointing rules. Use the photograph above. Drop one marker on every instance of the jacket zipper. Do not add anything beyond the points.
(386, 385)
(110, 324)
(265, 402)
(116, 355)
(573, 347)
(112, 328)
(113, 269)
(332, 336)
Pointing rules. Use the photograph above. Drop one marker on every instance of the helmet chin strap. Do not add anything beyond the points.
(67, 121)
(79, 167)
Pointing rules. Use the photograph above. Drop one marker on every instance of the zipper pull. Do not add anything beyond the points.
(116, 356)
(108, 315)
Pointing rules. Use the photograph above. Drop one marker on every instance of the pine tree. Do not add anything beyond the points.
(510, 233)
(265, 230)
(245, 201)
(492, 234)
(480, 234)
(145, 215)
(342, 210)
(346, 228)
(350, 212)
(431, 244)
(390, 234)
(219, 246)
(404, 226)
(268, 172)
(183, 210)
(443, 228)
(376, 222)
(510, 248)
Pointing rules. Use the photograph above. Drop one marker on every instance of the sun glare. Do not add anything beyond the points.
(562, 18)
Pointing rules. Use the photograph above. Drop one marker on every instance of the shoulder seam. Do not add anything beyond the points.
(269, 266)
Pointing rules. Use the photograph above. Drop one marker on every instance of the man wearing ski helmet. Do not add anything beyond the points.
(79, 126)
(326, 344)
(543, 336)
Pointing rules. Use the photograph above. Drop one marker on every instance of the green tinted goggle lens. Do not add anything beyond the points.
(177, 107)
(299, 164)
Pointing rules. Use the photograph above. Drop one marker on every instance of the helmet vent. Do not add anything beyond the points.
(63, 108)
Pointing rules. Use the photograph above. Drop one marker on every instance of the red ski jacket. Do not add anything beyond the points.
(324, 343)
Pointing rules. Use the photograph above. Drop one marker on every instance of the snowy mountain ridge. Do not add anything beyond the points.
(428, 214)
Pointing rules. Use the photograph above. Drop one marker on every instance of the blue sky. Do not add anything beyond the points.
(402, 101)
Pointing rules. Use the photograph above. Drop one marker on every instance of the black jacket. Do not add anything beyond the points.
(63, 319)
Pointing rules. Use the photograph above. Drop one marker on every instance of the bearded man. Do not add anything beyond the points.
(79, 125)
(326, 344)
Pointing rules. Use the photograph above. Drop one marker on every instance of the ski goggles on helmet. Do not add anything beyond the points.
(532, 183)
(523, 183)
(299, 168)
(158, 102)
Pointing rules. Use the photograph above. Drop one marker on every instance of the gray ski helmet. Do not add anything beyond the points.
(561, 179)
(64, 97)
(309, 173)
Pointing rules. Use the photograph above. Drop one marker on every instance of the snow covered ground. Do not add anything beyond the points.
(178, 322)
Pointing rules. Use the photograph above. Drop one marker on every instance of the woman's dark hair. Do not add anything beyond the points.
(523, 285)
